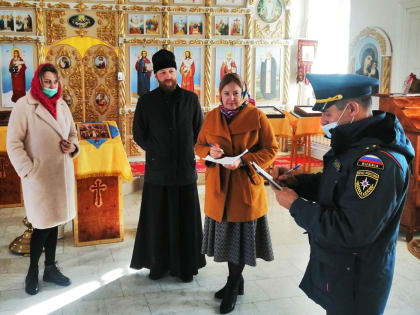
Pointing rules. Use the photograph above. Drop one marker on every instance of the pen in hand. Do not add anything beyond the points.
(293, 169)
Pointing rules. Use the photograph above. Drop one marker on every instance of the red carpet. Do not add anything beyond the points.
(138, 167)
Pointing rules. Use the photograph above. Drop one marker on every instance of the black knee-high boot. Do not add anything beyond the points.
(232, 288)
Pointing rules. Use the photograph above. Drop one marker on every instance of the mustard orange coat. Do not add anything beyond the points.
(240, 192)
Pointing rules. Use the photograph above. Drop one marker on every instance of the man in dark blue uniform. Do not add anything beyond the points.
(352, 209)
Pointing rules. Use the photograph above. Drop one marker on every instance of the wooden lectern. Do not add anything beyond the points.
(407, 109)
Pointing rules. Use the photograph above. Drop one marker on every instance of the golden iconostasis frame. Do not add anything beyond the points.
(254, 38)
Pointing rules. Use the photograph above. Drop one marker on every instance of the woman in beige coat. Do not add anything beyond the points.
(41, 142)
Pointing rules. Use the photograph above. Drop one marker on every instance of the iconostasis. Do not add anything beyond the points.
(103, 51)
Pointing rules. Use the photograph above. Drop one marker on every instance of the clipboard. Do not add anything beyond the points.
(265, 175)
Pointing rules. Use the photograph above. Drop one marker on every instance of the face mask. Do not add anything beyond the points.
(328, 127)
(49, 92)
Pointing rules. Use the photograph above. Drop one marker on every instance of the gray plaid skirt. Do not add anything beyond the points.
(237, 242)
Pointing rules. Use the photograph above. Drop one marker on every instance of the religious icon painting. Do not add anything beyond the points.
(142, 79)
(195, 24)
(101, 62)
(152, 26)
(7, 21)
(135, 24)
(267, 73)
(17, 68)
(179, 23)
(269, 11)
(64, 62)
(24, 21)
(221, 25)
(236, 25)
(228, 60)
(188, 60)
(93, 131)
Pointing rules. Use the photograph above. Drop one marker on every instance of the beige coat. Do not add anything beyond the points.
(47, 174)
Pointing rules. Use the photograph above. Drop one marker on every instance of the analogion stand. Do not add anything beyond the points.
(100, 170)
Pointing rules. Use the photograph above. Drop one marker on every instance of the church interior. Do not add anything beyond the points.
(103, 51)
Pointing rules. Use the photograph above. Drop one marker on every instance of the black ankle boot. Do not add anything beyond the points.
(31, 281)
(54, 275)
(230, 295)
(219, 294)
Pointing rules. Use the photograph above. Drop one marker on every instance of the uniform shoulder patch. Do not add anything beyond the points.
(365, 183)
(371, 161)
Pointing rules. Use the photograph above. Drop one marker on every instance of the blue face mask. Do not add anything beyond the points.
(328, 127)
(49, 92)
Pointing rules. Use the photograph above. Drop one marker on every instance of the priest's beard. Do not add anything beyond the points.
(168, 85)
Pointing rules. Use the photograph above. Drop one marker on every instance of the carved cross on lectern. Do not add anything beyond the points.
(3, 163)
(97, 188)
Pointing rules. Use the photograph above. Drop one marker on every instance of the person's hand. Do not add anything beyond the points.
(285, 197)
(216, 152)
(280, 175)
(233, 166)
(67, 147)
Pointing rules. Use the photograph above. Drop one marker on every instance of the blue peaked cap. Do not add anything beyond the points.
(330, 88)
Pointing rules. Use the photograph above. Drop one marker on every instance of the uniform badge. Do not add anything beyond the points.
(365, 183)
(371, 161)
(337, 165)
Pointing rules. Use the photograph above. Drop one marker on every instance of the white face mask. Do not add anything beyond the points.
(328, 127)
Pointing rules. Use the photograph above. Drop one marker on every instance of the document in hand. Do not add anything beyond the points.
(267, 176)
(226, 159)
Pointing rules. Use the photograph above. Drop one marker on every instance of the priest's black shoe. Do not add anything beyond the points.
(156, 274)
(187, 278)
(219, 294)
(31, 281)
(54, 275)
(230, 296)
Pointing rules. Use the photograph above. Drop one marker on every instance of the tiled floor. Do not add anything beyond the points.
(103, 283)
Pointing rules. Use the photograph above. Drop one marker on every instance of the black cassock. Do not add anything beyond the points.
(169, 232)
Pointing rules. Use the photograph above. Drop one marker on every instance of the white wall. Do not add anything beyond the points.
(384, 14)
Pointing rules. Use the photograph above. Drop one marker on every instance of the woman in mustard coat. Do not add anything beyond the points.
(236, 228)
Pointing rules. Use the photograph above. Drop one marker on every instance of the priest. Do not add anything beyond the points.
(166, 124)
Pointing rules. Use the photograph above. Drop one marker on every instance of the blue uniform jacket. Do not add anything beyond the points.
(351, 212)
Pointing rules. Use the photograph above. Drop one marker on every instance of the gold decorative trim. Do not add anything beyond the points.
(144, 41)
(249, 28)
(18, 39)
(268, 30)
(165, 25)
(5, 4)
(197, 10)
(134, 8)
(39, 22)
(371, 32)
(209, 26)
(121, 20)
(286, 67)
(41, 52)
(386, 74)
(240, 11)
(23, 4)
(197, 42)
(208, 3)
(177, 9)
(153, 9)
(248, 69)
(122, 95)
(207, 77)
(107, 30)
(80, 7)
(220, 10)
(58, 6)
(100, 7)
(165, 2)
(55, 30)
